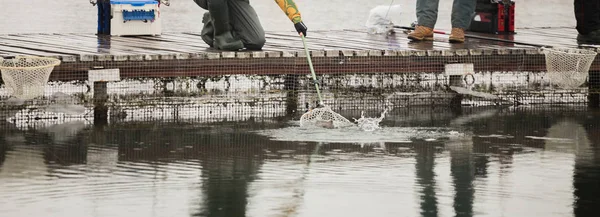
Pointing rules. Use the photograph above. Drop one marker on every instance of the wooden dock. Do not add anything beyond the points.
(343, 51)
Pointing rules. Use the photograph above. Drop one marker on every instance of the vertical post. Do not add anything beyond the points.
(100, 99)
(291, 86)
(594, 89)
(103, 17)
(456, 80)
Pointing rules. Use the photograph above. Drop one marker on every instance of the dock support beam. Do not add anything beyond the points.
(291, 86)
(594, 89)
(100, 99)
(456, 80)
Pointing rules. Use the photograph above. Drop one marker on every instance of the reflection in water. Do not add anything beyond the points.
(516, 162)
(425, 162)
(229, 164)
(586, 177)
(462, 173)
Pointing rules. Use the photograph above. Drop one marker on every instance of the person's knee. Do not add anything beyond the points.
(202, 3)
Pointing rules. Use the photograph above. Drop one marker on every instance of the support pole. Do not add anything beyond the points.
(100, 99)
(291, 86)
(594, 89)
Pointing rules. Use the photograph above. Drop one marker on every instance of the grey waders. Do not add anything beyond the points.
(223, 39)
(243, 22)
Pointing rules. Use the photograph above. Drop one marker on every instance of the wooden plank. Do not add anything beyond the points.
(61, 40)
(335, 40)
(12, 51)
(26, 42)
(184, 41)
(379, 42)
(314, 44)
(130, 47)
(16, 50)
(110, 48)
(155, 44)
(341, 42)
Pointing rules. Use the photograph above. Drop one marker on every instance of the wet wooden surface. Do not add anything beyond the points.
(78, 45)
(341, 51)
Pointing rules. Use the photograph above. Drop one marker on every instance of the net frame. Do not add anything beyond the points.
(28, 75)
(568, 68)
(323, 117)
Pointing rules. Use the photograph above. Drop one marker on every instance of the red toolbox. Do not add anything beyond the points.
(494, 16)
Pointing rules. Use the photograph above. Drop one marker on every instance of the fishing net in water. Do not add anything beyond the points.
(324, 117)
(27, 76)
(568, 67)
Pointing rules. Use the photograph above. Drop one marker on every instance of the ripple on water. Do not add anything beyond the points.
(355, 135)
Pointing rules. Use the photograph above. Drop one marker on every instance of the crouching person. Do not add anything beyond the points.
(234, 25)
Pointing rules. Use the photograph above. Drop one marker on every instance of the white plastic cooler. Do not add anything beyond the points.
(135, 17)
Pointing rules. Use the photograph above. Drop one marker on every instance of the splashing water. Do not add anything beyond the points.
(354, 134)
(369, 124)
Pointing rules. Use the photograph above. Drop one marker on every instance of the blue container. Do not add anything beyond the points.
(104, 11)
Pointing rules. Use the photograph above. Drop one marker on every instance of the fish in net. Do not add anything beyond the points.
(324, 117)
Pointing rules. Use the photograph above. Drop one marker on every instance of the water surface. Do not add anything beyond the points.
(501, 162)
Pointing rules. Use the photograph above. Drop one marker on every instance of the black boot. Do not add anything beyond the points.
(223, 40)
(590, 38)
(208, 32)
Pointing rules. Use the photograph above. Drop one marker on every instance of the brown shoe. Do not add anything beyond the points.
(457, 35)
(421, 33)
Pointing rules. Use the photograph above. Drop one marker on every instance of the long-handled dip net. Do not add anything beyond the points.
(322, 115)
(27, 76)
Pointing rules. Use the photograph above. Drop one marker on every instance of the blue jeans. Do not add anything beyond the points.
(462, 12)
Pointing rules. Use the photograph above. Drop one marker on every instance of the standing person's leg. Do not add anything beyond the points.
(246, 24)
(587, 14)
(462, 12)
(427, 14)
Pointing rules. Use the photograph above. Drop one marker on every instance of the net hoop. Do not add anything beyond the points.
(26, 76)
(568, 67)
(324, 117)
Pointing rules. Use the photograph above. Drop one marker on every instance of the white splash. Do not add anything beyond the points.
(369, 124)
(380, 20)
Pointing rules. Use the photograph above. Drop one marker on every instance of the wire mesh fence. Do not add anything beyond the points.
(235, 86)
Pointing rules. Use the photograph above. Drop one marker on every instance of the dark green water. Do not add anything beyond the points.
(523, 162)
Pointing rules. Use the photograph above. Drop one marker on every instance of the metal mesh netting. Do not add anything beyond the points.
(568, 68)
(323, 117)
(27, 76)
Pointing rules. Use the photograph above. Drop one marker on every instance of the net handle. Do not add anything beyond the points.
(55, 62)
(312, 70)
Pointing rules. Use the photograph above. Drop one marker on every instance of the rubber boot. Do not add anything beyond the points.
(592, 38)
(208, 32)
(223, 40)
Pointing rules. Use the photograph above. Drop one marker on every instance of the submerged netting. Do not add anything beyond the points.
(567, 67)
(323, 117)
(27, 76)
